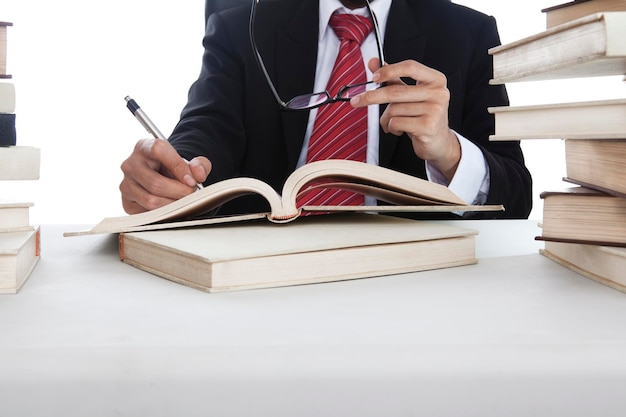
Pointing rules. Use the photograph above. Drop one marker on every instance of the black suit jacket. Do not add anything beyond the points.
(232, 118)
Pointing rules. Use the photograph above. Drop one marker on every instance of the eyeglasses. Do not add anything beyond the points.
(313, 100)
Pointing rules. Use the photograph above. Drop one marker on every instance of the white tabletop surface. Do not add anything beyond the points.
(514, 335)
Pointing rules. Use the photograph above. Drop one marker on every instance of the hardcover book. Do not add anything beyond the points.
(603, 119)
(598, 164)
(586, 47)
(572, 10)
(14, 216)
(19, 163)
(604, 264)
(582, 215)
(314, 249)
(19, 254)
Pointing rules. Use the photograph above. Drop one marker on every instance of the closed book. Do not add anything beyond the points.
(14, 216)
(582, 215)
(8, 136)
(598, 164)
(312, 249)
(3, 49)
(572, 10)
(19, 163)
(604, 264)
(19, 254)
(601, 119)
(586, 47)
(7, 97)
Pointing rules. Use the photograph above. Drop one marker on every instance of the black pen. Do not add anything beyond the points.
(147, 123)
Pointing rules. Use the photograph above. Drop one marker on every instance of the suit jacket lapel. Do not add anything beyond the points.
(296, 49)
(405, 38)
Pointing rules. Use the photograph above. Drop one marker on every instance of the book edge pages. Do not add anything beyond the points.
(582, 271)
(610, 60)
(21, 280)
(467, 242)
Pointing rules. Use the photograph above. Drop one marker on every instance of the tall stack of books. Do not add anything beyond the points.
(7, 93)
(19, 240)
(584, 224)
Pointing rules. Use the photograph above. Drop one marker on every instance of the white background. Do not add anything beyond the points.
(73, 62)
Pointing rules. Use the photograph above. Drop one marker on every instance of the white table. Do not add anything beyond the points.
(512, 336)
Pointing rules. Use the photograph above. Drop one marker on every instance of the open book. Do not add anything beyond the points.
(405, 192)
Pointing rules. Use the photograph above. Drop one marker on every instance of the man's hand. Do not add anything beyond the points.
(155, 175)
(420, 111)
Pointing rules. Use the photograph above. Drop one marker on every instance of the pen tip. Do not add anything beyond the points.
(127, 98)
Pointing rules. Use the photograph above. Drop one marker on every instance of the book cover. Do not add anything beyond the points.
(315, 249)
(572, 10)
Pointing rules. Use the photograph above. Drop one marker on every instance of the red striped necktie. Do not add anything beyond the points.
(340, 131)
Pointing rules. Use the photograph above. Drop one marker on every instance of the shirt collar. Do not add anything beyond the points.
(328, 7)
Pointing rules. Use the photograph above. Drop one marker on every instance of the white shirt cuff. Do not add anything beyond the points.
(471, 179)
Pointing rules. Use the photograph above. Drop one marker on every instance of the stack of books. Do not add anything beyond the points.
(7, 93)
(584, 224)
(19, 240)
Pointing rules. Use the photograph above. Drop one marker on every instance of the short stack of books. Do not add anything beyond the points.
(584, 224)
(19, 240)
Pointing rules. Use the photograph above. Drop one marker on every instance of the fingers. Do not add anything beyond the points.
(419, 110)
(170, 161)
(155, 175)
(135, 198)
(200, 167)
(394, 90)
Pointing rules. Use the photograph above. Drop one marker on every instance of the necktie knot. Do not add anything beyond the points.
(351, 27)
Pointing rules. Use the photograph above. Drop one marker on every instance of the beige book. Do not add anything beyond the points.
(582, 215)
(598, 164)
(572, 10)
(603, 119)
(586, 47)
(3, 49)
(19, 254)
(604, 264)
(19, 163)
(405, 192)
(14, 216)
(314, 249)
(7, 97)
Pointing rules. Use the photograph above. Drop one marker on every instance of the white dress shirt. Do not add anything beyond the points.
(471, 180)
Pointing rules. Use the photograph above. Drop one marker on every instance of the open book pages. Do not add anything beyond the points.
(405, 192)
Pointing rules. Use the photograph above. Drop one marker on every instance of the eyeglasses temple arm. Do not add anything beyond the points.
(258, 57)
